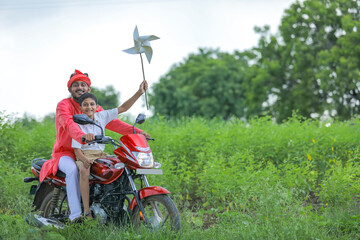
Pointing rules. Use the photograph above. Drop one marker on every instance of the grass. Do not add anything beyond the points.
(229, 179)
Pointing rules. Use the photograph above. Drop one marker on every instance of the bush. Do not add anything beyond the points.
(298, 179)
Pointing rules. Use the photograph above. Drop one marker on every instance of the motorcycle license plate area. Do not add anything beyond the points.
(149, 171)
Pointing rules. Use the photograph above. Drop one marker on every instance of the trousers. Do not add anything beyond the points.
(68, 166)
(92, 155)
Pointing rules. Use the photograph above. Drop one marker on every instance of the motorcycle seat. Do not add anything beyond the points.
(37, 163)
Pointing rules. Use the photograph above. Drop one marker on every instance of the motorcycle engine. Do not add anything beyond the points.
(99, 213)
(110, 203)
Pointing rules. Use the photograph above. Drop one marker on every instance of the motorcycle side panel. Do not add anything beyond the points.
(148, 191)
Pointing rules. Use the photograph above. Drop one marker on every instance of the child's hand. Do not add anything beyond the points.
(143, 87)
(87, 163)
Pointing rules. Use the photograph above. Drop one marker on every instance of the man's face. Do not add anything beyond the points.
(78, 88)
(88, 106)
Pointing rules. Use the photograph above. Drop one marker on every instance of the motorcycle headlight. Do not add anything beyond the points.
(145, 159)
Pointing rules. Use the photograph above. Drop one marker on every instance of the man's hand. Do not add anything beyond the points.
(145, 134)
(88, 137)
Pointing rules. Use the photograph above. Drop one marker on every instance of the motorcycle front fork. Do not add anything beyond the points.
(137, 196)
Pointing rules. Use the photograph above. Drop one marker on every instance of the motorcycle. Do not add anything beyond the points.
(119, 190)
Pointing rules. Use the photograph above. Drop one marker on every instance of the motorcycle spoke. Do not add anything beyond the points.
(156, 210)
(60, 211)
(161, 213)
(164, 220)
(158, 213)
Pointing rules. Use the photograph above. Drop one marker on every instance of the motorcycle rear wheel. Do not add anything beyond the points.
(160, 211)
(61, 211)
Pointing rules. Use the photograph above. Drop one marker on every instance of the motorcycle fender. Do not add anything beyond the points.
(148, 191)
(42, 190)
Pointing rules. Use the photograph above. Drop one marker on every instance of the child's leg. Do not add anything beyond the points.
(85, 174)
(84, 186)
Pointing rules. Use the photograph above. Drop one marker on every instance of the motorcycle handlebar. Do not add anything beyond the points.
(103, 139)
(98, 139)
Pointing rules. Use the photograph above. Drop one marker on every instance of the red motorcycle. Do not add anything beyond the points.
(114, 195)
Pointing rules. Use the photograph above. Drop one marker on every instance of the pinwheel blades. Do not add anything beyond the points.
(142, 44)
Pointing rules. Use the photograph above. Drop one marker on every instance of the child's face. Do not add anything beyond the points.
(88, 106)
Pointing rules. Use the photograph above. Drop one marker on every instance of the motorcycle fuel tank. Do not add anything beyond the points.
(103, 170)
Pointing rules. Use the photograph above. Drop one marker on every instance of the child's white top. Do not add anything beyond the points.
(101, 118)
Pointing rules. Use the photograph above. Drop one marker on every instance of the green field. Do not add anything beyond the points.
(229, 179)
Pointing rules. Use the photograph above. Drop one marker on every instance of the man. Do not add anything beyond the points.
(63, 156)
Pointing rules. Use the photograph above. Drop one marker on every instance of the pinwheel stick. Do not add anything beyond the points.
(143, 72)
(142, 45)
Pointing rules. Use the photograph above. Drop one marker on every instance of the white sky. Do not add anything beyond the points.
(43, 41)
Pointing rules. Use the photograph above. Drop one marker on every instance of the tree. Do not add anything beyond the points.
(207, 84)
(313, 64)
(339, 65)
(108, 97)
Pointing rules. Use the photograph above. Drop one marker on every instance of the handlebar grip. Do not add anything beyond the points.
(150, 139)
(97, 138)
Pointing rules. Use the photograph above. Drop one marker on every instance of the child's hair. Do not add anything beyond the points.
(87, 95)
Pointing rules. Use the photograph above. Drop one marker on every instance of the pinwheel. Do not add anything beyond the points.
(142, 45)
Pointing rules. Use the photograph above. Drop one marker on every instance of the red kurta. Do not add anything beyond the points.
(67, 129)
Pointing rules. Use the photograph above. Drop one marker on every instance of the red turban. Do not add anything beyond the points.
(79, 76)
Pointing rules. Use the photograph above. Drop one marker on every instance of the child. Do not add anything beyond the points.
(86, 154)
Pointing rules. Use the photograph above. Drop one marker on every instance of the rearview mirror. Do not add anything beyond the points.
(140, 119)
(82, 119)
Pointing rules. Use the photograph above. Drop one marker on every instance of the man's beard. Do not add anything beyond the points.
(76, 99)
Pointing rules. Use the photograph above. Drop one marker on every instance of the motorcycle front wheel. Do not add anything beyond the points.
(61, 210)
(160, 211)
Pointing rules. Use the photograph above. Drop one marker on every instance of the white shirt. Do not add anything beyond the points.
(101, 118)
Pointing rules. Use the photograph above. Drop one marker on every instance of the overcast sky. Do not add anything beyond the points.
(43, 41)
